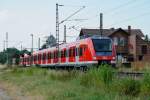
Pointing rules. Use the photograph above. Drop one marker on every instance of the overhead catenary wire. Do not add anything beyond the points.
(72, 15)
(109, 11)
(131, 19)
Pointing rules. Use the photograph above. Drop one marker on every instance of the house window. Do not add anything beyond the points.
(144, 49)
(122, 41)
(115, 39)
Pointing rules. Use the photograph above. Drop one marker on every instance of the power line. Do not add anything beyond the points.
(139, 5)
(130, 19)
(72, 6)
(111, 10)
(66, 19)
(120, 6)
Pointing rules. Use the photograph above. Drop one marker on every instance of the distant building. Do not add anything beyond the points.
(129, 42)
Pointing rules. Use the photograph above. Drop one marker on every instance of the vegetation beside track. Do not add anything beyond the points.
(96, 84)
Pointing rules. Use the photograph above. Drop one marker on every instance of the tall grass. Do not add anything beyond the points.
(98, 77)
(63, 75)
(145, 88)
(130, 87)
(96, 83)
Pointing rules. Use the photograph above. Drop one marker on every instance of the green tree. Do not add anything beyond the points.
(11, 53)
(50, 42)
(147, 38)
(3, 57)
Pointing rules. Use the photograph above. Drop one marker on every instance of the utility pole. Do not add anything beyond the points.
(57, 24)
(39, 43)
(64, 34)
(6, 40)
(32, 43)
(101, 24)
(4, 45)
(7, 46)
(21, 47)
(57, 29)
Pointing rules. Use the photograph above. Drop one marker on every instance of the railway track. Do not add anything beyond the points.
(135, 75)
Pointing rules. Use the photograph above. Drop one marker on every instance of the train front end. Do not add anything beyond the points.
(104, 50)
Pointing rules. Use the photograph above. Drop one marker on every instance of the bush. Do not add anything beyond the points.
(106, 74)
(98, 76)
(130, 87)
(146, 84)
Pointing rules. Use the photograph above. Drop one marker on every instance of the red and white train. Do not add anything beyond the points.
(82, 53)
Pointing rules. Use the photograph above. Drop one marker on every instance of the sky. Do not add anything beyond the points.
(21, 18)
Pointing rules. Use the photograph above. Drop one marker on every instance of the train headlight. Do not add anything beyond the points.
(94, 58)
(114, 58)
(113, 62)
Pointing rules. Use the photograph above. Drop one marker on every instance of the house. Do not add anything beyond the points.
(129, 42)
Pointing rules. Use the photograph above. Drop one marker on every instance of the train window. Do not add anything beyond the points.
(81, 51)
(42, 56)
(64, 53)
(35, 57)
(73, 51)
(61, 54)
(67, 53)
(32, 58)
(76, 51)
(39, 57)
(85, 47)
(49, 55)
(27, 59)
(56, 54)
(52, 55)
(70, 50)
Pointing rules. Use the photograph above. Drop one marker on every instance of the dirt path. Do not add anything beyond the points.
(4, 95)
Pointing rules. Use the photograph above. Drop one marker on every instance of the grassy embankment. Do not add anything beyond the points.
(96, 84)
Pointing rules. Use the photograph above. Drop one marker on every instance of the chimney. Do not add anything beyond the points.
(129, 29)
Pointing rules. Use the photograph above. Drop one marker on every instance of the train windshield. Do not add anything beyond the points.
(102, 46)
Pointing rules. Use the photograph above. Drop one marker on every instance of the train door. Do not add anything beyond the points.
(72, 54)
(63, 55)
(49, 58)
(77, 55)
(83, 54)
(44, 58)
(80, 53)
(67, 55)
(39, 59)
